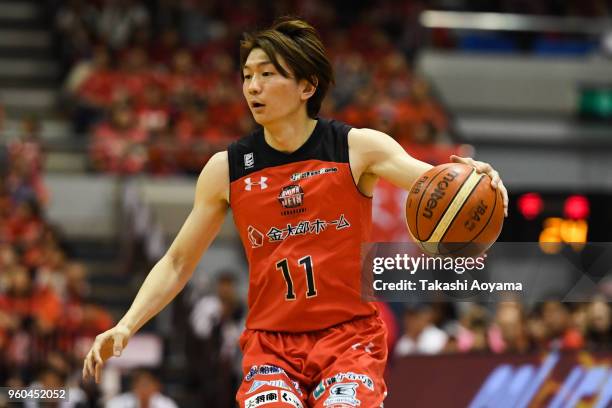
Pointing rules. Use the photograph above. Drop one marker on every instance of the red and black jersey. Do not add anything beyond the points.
(302, 221)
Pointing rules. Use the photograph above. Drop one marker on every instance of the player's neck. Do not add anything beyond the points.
(289, 135)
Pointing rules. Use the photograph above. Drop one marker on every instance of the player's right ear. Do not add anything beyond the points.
(310, 87)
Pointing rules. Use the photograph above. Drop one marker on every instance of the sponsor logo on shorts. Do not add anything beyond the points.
(296, 385)
(263, 398)
(257, 384)
(364, 379)
(343, 393)
(319, 390)
(291, 398)
(263, 370)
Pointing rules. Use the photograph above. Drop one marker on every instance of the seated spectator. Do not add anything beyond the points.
(145, 391)
(598, 325)
(420, 335)
(153, 113)
(24, 182)
(420, 120)
(360, 112)
(25, 225)
(509, 331)
(199, 138)
(134, 76)
(560, 330)
(90, 88)
(215, 324)
(118, 146)
(185, 81)
(52, 378)
(119, 19)
(472, 330)
(28, 146)
(162, 51)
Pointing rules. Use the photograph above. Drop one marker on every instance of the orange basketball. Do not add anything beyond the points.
(452, 210)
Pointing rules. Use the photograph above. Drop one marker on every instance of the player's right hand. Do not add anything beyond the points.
(107, 344)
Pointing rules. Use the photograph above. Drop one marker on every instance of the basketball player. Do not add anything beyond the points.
(300, 188)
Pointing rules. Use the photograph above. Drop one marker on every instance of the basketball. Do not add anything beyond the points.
(452, 210)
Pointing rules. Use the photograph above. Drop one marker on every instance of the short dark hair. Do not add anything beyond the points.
(300, 46)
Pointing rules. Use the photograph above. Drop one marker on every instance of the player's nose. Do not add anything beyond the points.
(254, 86)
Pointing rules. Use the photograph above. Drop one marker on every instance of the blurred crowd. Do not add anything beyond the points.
(507, 327)
(156, 85)
(46, 319)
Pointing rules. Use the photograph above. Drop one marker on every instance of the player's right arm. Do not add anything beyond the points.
(173, 270)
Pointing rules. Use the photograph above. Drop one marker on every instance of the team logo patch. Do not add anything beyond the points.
(249, 183)
(312, 173)
(257, 384)
(249, 161)
(291, 196)
(263, 398)
(291, 398)
(343, 393)
(256, 238)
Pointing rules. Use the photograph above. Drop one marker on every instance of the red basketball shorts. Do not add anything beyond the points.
(342, 366)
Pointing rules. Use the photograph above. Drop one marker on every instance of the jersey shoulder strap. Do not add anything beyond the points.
(243, 155)
(328, 142)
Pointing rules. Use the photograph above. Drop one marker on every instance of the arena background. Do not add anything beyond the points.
(109, 109)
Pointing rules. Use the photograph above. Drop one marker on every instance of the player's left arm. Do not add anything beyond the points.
(375, 154)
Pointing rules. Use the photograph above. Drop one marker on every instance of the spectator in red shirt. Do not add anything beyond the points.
(153, 114)
(184, 80)
(25, 225)
(134, 76)
(198, 137)
(118, 146)
(40, 306)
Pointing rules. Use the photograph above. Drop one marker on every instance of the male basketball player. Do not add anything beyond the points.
(300, 190)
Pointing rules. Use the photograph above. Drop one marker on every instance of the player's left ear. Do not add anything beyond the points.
(309, 88)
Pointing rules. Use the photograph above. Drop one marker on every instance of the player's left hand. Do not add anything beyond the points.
(486, 168)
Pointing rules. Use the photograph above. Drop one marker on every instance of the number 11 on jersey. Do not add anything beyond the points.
(306, 262)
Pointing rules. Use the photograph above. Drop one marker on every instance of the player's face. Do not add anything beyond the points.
(271, 96)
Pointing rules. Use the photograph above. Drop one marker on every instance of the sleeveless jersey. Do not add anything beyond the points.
(302, 221)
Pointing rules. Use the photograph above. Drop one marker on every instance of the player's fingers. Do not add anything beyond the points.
(504, 192)
(495, 179)
(482, 167)
(84, 368)
(458, 159)
(117, 345)
(96, 356)
(88, 367)
(98, 372)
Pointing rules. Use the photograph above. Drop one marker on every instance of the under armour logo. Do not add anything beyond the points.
(261, 183)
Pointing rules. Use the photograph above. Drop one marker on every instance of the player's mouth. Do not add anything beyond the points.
(257, 106)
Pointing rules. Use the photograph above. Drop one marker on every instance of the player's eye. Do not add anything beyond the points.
(267, 73)
(247, 76)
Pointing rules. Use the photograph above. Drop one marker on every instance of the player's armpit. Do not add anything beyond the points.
(374, 152)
